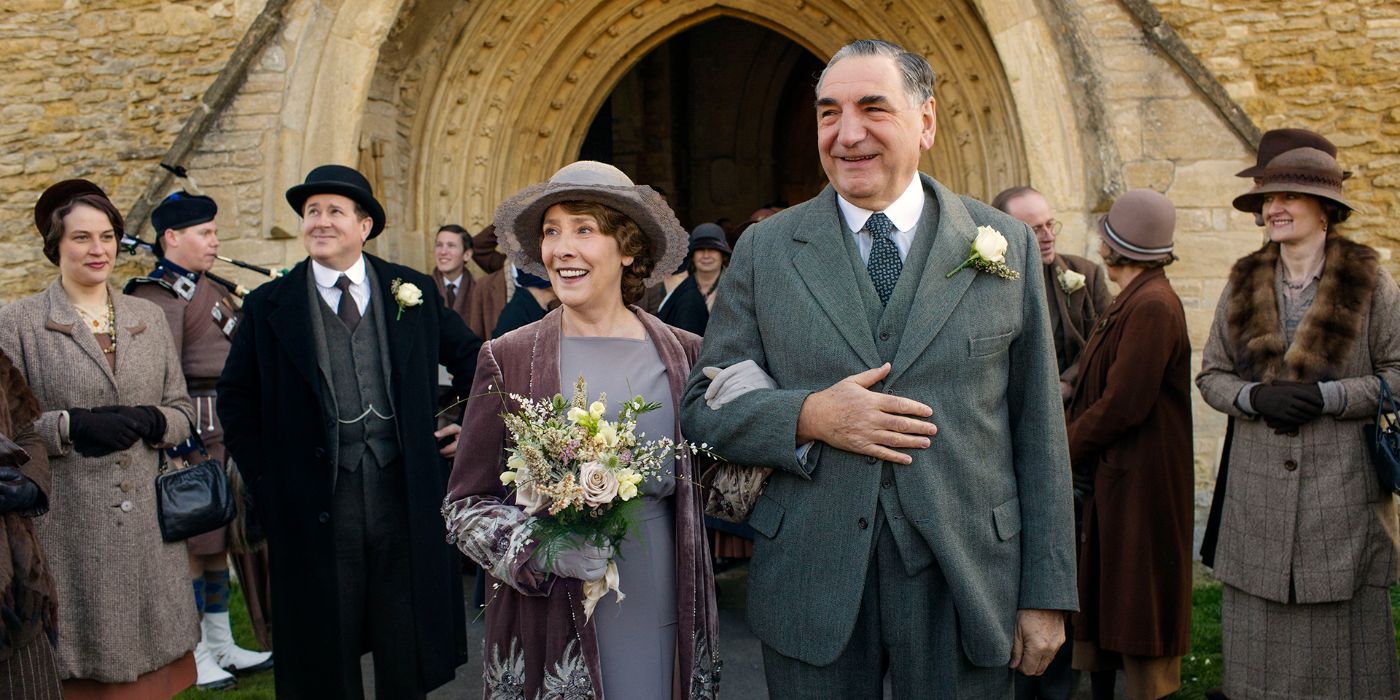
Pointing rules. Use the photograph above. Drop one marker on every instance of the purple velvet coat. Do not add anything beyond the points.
(536, 638)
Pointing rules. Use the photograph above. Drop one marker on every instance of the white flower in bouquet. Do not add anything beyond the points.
(600, 484)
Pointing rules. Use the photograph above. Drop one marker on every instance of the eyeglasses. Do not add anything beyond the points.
(1051, 227)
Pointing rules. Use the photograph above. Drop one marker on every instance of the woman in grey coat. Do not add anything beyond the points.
(1307, 543)
(104, 370)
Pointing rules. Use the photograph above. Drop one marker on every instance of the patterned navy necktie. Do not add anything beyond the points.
(884, 264)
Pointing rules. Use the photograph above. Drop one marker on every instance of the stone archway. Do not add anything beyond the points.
(518, 90)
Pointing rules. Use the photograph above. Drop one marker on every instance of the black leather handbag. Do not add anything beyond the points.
(1383, 440)
(193, 500)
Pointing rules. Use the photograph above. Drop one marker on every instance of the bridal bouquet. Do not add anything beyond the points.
(580, 473)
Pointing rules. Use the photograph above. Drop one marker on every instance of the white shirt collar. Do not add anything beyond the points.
(457, 282)
(326, 277)
(904, 212)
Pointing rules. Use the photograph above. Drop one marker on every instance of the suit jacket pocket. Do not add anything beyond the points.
(767, 517)
(990, 345)
(1008, 519)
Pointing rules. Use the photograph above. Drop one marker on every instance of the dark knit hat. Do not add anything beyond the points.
(183, 210)
(60, 195)
(341, 180)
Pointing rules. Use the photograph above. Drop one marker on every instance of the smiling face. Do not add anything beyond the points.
(1032, 209)
(584, 264)
(332, 231)
(707, 261)
(869, 134)
(1292, 218)
(194, 248)
(88, 247)
(449, 254)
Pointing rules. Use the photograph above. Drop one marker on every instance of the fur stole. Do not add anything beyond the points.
(1328, 329)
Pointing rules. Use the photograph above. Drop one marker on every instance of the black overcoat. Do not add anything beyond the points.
(275, 428)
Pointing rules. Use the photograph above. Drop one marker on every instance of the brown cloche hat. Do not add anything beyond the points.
(1139, 225)
(1302, 170)
(1275, 142)
(518, 218)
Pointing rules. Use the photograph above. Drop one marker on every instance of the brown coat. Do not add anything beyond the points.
(125, 606)
(27, 596)
(464, 294)
(489, 295)
(1081, 308)
(532, 620)
(1305, 513)
(1130, 431)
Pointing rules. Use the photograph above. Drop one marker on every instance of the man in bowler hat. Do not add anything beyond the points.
(328, 400)
(917, 519)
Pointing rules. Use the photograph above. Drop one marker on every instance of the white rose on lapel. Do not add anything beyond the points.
(1071, 281)
(990, 244)
(406, 294)
(988, 254)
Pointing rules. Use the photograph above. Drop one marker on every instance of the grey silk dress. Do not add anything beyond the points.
(636, 638)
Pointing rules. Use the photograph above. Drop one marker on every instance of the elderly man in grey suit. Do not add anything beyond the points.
(917, 520)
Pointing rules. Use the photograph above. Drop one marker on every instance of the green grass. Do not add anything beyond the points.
(257, 686)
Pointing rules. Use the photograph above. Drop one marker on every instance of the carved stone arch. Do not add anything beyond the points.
(522, 83)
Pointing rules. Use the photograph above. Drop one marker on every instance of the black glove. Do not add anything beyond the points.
(149, 421)
(99, 434)
(17, 491)
(1287, 405)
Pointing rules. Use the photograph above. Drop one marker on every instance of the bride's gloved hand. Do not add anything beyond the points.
(734, 381)
(578, 560)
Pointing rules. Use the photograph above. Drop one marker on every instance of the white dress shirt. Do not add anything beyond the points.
(359, 284)
(904, 213)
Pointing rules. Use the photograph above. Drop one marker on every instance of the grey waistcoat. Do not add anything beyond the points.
(354, 371)
(886, 327)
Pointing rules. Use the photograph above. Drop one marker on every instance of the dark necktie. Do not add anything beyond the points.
(451, 295)
(884, 264)
(348, 310)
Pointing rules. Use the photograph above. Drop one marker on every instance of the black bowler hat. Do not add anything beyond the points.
(183, 210)
(341, 180)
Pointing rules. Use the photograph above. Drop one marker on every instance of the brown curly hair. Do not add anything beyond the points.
(630, 239)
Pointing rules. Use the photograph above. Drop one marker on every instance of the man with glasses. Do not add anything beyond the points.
(1075, 289)
(1075, 286)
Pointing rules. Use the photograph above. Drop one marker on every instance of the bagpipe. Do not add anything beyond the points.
(131, 244)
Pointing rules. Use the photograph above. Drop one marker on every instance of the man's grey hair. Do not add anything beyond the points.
(914, 72)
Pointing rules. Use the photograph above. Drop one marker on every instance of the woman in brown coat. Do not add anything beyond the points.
(27, 600)
(1130, 437)
(1307, 543)
(598, 238)
(106, 375)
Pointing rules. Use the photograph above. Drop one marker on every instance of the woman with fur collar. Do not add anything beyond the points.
(1307, 536)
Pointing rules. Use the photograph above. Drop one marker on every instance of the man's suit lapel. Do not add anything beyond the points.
(937, 294)
(402, 333)
(824, 265)
(290, 323)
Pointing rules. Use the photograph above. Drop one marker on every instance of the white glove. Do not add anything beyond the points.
(734, 381)
(577, 559)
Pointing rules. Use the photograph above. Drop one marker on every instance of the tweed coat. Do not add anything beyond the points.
(283, 442)
(124, 599)
(1130, 432)
(1305, 513)
(1077, 310)
(990, 496)
(489, 296)
(534, 642)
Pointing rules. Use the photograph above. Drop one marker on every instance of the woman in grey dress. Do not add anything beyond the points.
(599, 239)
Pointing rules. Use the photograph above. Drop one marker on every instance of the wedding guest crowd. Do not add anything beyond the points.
(905, 527)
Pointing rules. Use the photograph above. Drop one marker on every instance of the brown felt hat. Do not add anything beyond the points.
(1275, 142)
(518, 218)
(1139, 225)
(1302, 170)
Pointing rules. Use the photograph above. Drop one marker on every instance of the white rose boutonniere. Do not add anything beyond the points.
(988, 254)
(406, 295)
(1071, 281)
